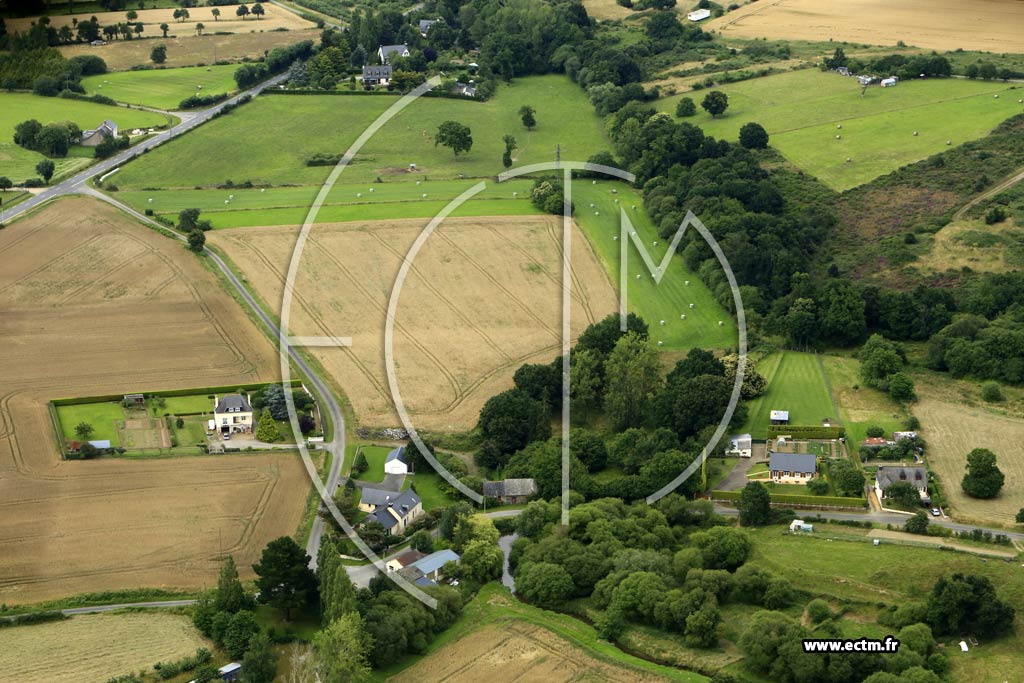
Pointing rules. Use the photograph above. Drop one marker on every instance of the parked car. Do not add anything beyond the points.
(936, 513)
(227, 437)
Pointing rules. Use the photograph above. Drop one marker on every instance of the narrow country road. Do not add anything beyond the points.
(77, 183)
(335, 447)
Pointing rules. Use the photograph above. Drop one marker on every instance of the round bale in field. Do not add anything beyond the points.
(949, 142)
(682, 317)
(660, 343)
(915, 133)
(839, 137)
(691, 305)
(839, 126)
(848, 159)
(720, 323)
(662, 322)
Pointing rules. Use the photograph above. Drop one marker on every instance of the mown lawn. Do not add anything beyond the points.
(428, 487)
(102, 416)
(860, 407)
(375, 459)
(238, 147)
(181, 405)
(801, 109)
(669, 300)
(162, 88)
(796, 384)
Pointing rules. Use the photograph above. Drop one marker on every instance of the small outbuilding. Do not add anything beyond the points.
(888, 82)
(511, 491)
(396, 462)
(779, 417)
(739, 445)
(698, 14)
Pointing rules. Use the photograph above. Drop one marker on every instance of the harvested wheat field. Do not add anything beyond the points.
(483, 297)
(274, 18)
(187, 49)
(92, 304)
(993, 25)
(952, 430)
(95, 647)
(516, 651)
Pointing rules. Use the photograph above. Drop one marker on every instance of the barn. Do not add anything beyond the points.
(396, 462)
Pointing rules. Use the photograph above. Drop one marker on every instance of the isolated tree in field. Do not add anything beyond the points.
(132, 15)
(5, 183)
(216, 14)
(753, 136)
(165, 28)
(197, 240)
(257, 10)
(158, 54)
(527, 115)
(342, 649)
(177, 14)
(266, 428)
(84, 430)
(139, 28)
(1020, 516)
(260, 662)
(686, 107)
(754, 505)
(285, 579)
(510, 146)
(45, 169)
(199, 28)
(715, 103)
(188, 220)
(983, 479)
(184, 14)
(242, 11)
(455, 136)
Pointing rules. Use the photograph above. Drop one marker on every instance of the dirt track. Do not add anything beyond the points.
(483, 297)
(92, 303)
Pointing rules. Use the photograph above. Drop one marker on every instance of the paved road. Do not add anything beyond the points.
(337, 445)
(110, 608)
(884, 518)
(77, 183)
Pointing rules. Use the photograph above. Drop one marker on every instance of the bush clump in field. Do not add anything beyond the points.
(991, 392)
(166, 670)
(818, 611)
(197, 101)
(686, 107)
(997, 214)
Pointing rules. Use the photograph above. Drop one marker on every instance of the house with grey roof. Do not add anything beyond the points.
(425, 25)
(465, 89)
(94, 136)
(511, 491)
(232, 413)
(386, 52)
(396, 514)
(427, 570)
(376, 75)
(792, 468)
(915, 475)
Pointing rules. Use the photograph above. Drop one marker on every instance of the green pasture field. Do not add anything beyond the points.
(850, 568)
(796, 384)
(242, 146)
(102, 416)
(162, 88)
(653, 302)
(289, 205)
(20, 164)
(801, 109)
(862, 407)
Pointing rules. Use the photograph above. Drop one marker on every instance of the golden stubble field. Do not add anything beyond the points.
(274, 18)
(952, 429)
(483, 297)
(185, 48)
(516, 651)
(92, 303)
(993, 25)
(95, 647)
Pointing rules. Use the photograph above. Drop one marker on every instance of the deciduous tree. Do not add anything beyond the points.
(984, 478)
(715, 103)
(455, 136)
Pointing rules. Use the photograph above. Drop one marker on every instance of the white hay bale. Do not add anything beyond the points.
(691, 305)
(662, 322)
(720, 323)
(839, 137)
(682, 317)
(660, 343)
